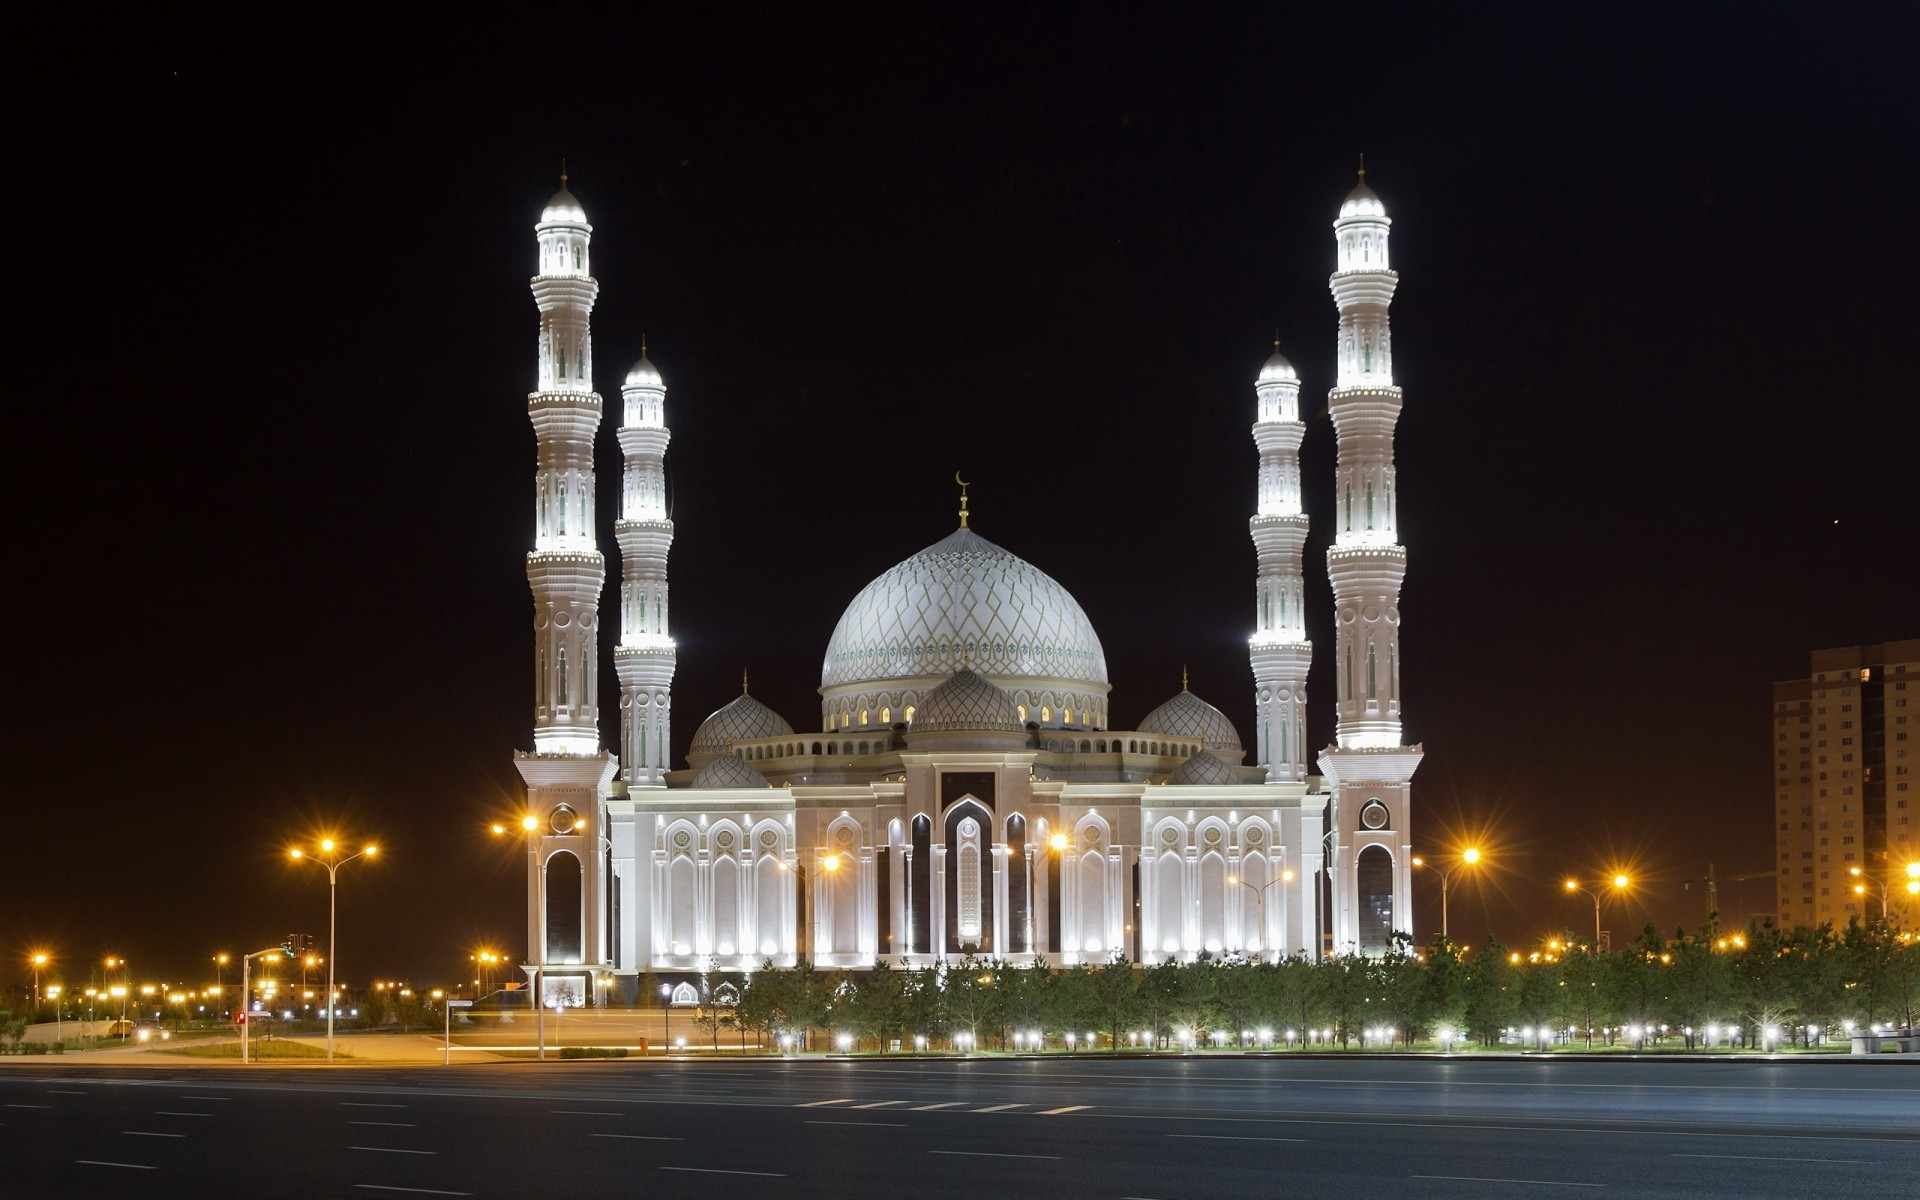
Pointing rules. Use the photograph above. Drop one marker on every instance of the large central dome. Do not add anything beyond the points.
(963, 602)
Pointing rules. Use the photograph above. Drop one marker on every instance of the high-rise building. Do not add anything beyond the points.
(1845, 766)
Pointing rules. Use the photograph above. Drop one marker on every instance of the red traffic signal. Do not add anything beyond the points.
(240, 1018)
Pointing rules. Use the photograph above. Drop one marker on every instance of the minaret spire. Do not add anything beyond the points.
(646, 656)
(1369, 767)
(963, 498)
(1279, 648)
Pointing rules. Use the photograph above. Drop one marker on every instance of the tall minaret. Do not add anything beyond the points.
(645, 657)
(1279, 646)
(1368, 767)
(568, 775)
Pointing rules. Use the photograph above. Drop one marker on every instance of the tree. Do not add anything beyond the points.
(1404, 990)
(1293, 989)
(1116, 995)
(1492, 993)
(1346, 980)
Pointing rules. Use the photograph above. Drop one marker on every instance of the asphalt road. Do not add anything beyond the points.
(1159, 1129)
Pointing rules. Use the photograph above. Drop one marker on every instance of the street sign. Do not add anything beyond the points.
(459, 1004)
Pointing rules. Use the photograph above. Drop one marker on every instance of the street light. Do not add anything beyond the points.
(1619, 882)
(333, 865)
(529, 829)
(666, 1019)
(1467, 858)
(1861, 879)
(38, 960)
(1260, 901)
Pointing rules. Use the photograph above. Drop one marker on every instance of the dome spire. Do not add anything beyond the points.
(1363, 167)
(743, 681)
(963, 498)
(563, 174)
(1183, 678)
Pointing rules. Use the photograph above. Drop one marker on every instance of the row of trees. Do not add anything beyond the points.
(1656, 989)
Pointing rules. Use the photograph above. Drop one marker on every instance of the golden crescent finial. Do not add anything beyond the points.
(563, 174)
(963, 498)
(1363, 167)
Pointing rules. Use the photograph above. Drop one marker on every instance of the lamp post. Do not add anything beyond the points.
(1861, 879)
(536, 948)
(333, 864)
(666, 1019)
(1467, 858)
(38, 960)
(1619, 883)
(1260, 902)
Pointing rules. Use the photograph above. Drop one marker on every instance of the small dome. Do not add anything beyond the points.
(1278, 370)
(1187, 715)
(740, 719)
(1201, 769)
(1361, 202)
(563, 209)
(645, 375)
(967, 702)
(729, 771)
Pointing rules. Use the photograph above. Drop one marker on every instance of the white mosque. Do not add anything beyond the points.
(963, 793)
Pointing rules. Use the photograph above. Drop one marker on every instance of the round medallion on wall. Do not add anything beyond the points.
(1252, 834)
(844, 835)
(1374, 815)
(724, 839)
(682, 839)
(562, 818)
(1212, 836)
(1169, 837)
(561, 620)
(769, 838)
(969, 828)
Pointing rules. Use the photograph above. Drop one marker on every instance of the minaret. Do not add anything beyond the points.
(645, 656)
(1368, 767)
(568, 775)
(1279, 646)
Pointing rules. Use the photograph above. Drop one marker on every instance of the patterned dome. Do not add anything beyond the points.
(1201, 768)
(738, 720)
(963, 602)
(563, 209)
(968, 702)
(1187, 715)
(728, 771)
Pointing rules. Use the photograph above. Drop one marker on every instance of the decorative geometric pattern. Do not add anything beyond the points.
(967, 702)
(739, 719)
(1187, 715)
(728, 771)
(964, 602)
(1203, 769)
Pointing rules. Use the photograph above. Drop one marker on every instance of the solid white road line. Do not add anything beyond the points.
(1224, 1137)
(367, 1104)
(144, 1133)
(1491, 1179)
(163, 1113)
(867, 1124)
(997, 1107)
(931, 1107)
(382, 1187)
(206, 1097)
(29, 1106)
(639, 1137)
(94, 1162)
(387, 1124)
(989, 1154)
(717, 1171)
(1054, 1112)
(391, 1150)
(1770, 1158)
(581, 1112)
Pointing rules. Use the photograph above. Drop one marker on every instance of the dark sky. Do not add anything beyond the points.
(269, 492)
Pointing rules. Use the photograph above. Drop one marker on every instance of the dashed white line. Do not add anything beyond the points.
(29, 1106)
(997, 1107)
(1492, 1179)
(581, 1112)
(1054, 1112)
(367, 1104)
(222, 1099)
(58, 1092)
(94, 1162)
(865, 1124)
(1225, 1137)
(718, 1171)
(881, 1104)
(386, 1124)
(383, 1187)
(163, 1113)
(639, 1137)
(824, 1103)
(144, 1133)
(391, 1150)
(931, 1107)
(990, 1154)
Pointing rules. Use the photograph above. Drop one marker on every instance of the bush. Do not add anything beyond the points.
(592, 1052)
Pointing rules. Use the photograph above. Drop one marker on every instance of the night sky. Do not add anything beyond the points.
(269, 490)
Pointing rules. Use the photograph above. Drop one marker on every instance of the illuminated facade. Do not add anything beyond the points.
(1368, 768)
(966, 793)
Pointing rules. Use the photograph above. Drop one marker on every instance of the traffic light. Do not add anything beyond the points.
(296, 944)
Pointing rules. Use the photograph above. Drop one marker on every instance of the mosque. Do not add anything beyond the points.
(963, 793)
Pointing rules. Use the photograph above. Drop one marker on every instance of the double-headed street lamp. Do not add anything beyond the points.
(1861, 879)
(1619, 883)
(1466, 858)
(329, 857)
(529, 829)
(1260, 904)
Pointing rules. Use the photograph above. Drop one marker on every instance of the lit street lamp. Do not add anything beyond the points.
(1260, 905)
(1619, 883)
(333, 863)
(536, 949)
(1861, 879)
(39, 960)
(1468, 858)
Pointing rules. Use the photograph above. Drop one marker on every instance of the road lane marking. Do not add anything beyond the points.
(164, 1113)
(144, 1133)
(1491, 1179)
(990, 1154)
(718, 1171)
(581, 1112)
(29, 1106)
(391, 1150)
(94, 1162)
(383, 1187)
(880, 1104)
(824, 1103)
(222, 1099)
(58, 1092)
(1227, 1137)
(367, 1104)
(1054, 1112)
(639, 1137)
(867, 1124)
(942, 1104)
(387, 1124)
(997, 1107)
(1770, 1158)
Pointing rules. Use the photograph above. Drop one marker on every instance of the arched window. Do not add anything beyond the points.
(1023, 711)
(886, 715)
(1046, 714)
(909, 714)
(564, 913)
(1373, 877)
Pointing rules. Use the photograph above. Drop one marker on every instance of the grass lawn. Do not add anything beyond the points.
(262, 1049)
